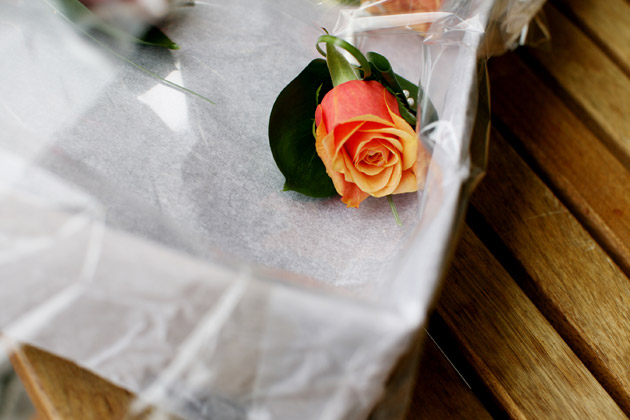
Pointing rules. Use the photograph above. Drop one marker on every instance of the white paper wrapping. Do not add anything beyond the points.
(143, 230)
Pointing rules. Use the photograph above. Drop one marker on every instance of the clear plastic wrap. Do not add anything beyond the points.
(143, 230)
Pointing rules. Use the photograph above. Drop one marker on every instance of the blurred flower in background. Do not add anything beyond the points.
(397, 7)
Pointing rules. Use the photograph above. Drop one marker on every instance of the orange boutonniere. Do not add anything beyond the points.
(348, 130)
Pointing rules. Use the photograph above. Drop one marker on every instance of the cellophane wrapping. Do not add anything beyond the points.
(144, 233)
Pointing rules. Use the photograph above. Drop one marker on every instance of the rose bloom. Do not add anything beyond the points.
(366, 146)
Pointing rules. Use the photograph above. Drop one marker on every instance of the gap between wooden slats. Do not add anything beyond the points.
(566, 154)
(531, 371)
(440, 392)
(595, 88)
(607, 23)
(571, 279)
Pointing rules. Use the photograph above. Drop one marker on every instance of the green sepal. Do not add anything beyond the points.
(383, 73)
(77, 12)
(291, 132)
(340, 69)
(338, 60)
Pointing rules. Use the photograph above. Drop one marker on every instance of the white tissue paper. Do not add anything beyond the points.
(144, 233)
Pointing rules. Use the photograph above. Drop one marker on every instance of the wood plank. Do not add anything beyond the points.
(569, 277)
(531, 371)
(599, 88)
(61, 390)
(440, 393)
(593, 184)
(606, 22)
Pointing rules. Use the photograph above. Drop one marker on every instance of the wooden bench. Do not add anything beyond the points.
(534, 318)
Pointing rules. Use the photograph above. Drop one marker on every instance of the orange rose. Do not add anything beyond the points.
(366, 146)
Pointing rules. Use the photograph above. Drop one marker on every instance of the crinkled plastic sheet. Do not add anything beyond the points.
(143, 230)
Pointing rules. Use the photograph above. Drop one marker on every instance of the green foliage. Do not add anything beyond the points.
(291, 132)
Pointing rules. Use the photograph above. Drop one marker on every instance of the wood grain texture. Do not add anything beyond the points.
(606, 22)
(599, 88)
(440, 393)
(593, 184)
(61, 390)
(530, 369)
(568, 275)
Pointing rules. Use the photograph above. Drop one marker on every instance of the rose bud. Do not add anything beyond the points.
(366, 146)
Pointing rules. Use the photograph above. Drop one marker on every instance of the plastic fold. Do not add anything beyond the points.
(143, 231)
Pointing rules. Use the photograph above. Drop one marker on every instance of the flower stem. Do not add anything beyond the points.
(392, 206)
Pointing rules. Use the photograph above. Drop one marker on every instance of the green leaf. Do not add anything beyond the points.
(291, 132)
(382, 69)
(413, 90)
(406, 114)
(77, 12)
(340, 69)
(156, 37)
(331, 43)
(382, 72)
(428, 112)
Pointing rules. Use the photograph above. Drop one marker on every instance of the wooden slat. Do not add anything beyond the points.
(569, 276)
(517, 353)
(60, 390)
(440, 393)
(596, 84)
(582, 172)
(63, 391)
(606, 22)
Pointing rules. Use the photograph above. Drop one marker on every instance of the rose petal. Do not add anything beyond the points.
(392, 183)
(318, 115)
(391, 138)
(354, 98)
(332, 146)
(394, 152)
(357, 143)
(351, 195)
(374, 154)
(369, 168)
(369, 184)
(408, 183)
(409, 140)
(340, 135)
